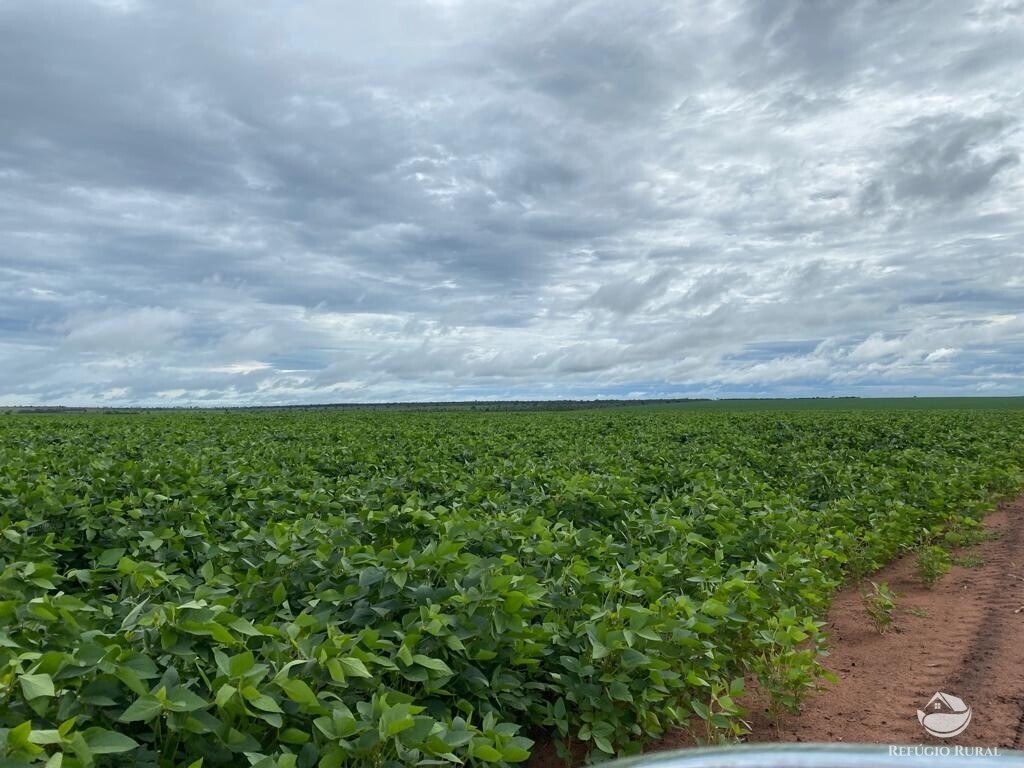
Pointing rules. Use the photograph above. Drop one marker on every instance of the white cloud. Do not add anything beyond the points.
(120, 331)
(943, 353)
(451, 199)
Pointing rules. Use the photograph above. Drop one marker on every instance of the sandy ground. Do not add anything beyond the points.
(964, 636)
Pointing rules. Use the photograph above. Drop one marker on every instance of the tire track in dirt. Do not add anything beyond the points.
(964, 636)
(980, 676)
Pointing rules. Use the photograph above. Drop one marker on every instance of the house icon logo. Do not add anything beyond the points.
(945, 716)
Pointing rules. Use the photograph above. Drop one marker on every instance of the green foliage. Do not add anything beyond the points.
(789, 664)
(299, 589)
(933, 562)
(879, 602)
(969, 560)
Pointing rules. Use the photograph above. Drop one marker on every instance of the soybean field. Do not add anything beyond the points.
(290, 589)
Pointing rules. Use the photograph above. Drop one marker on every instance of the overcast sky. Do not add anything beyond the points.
(273, 202)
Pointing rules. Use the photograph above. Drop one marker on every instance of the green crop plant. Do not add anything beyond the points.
(880, 603)
(315, 588)
(720, 716)
(933, 562)
(789, 664)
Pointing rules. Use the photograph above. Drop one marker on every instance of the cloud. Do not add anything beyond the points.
(237, 203)
(943, 160)
(131, 330)
(630, 294)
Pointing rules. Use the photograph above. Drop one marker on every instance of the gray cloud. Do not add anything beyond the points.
(630, 294)
(945, 159)
(421, 199)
